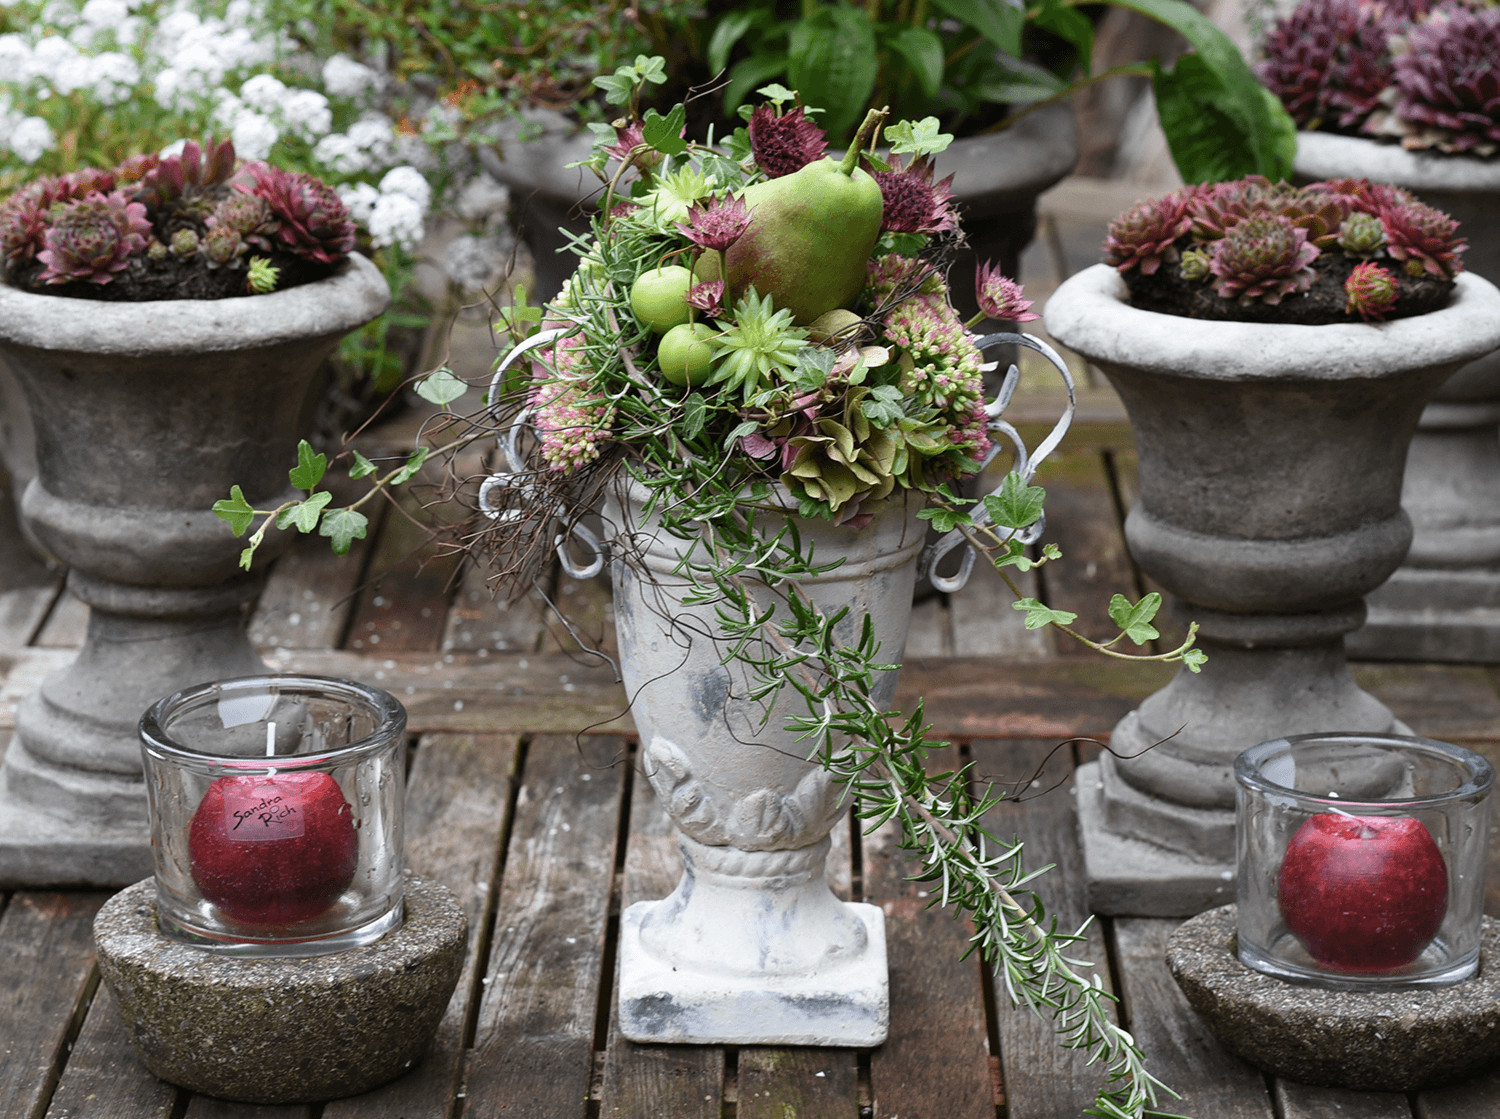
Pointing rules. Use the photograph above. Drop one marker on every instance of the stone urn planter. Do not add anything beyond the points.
(1443, 603)
(145, 414)
(1271, 459)
(996, 179)
(752, 947)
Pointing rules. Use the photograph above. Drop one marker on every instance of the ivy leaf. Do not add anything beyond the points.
(304, 514)
(1195, 659)
(1017, 505)
(248, 556)
(1015, 556)
(362, 467)
(651, 68)
(441, 386)
(664, 133)
(776, 93)
(694, 415)
(924, 137)
(1135, 618)
(310, 467)
(814, 364)
(945, 520)
(343, 527)
(1039, 614)
(883, 406)
(237, 511)
(413, 464)
(748, 427)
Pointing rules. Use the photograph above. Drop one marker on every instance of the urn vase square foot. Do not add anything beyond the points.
(845, 1004)
(1131, 877)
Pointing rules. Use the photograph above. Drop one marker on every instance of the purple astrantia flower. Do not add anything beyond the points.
(707, 297)
(627, 140)
(913, 203)
(1000, 297)
(716, 223)
(786, 143)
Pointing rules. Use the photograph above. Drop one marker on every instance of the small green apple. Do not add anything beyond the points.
(685, 354)
(659, 297)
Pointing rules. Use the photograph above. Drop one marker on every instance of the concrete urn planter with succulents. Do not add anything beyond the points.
(145, 412)
(1373, 78)
(1271, 456)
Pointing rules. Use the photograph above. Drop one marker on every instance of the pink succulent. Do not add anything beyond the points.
(1371, 291)
(1448, 81)
(92, 239)
(1145, 235)
(1423, 238)
(1000, 297)
(1264, 257)
(313, 221)
(782, 144)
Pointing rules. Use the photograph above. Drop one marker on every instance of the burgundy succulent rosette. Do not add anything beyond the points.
(1259, 251)
(195, 224)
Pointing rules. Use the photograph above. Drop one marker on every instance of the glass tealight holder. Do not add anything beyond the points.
(276, 814)
(1361, 859)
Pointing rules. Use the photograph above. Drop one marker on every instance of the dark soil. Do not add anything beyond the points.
(174, 278)
(1167, 292)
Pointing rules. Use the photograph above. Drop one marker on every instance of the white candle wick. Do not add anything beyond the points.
(271, 746)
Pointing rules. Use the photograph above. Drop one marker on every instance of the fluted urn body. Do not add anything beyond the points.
(1271, 460)
(145, 414)
(752, 947)
(1443, 602)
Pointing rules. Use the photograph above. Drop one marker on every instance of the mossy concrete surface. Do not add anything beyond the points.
(281, 1030)
(1390, 1041)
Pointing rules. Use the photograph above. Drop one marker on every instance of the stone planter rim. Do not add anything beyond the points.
(352, 296)
(1091, 313)
(1328, 155)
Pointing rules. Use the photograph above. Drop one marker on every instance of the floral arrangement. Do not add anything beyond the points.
(753, 328)
(196, 224)
(1335, 251)
(1421, 72)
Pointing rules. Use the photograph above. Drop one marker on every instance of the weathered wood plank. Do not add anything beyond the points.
(532, 1050)
(1178, 1049)
(403, 603)
(683, 1081)
(1303, 1101)
(807, 1083)
(1083, 522)
(104, 1078)
(930, 633)
(1041, 1079)
(457, 814)
(1450, 702)
(479, 622)
(1475, 1099)
(46, 977)
(206, 1107)
(588, 606)
(937, 1059)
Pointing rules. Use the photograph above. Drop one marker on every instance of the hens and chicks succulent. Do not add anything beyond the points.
(1425, 73)
(1262, 251)
(190, 225)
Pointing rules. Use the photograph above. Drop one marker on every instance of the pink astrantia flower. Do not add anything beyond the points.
(1000, 297)
(707, 297)
(627, 140)
(913, 203)
(716, 223)
(786, 143)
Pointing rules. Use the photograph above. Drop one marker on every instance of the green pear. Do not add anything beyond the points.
(810, 235)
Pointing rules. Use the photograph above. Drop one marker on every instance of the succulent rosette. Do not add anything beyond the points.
(1425, 74)
(1271, 252)
(192, 224)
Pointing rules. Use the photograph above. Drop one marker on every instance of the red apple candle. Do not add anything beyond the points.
(1363, 893)
(273, 849)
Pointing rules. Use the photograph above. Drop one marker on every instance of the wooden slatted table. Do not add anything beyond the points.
(524, 799)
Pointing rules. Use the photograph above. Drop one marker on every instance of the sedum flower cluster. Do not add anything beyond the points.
(1253, 241)
(664, 326)
(1424, 72)
(195, 224)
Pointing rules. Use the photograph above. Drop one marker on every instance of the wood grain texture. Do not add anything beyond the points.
(808, 1083)
(1179, 1049)
(206, 1107)
(457, 815)
(534, 1034)
(1042, 1080)
(403, 601)
(935, 1065)
(104, 1079)
(683, 1081)
(46, 977)
(480, 622)
(1475, 1099)
(1304, 1101)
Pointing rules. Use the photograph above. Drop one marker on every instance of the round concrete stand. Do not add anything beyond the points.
(282, 1030)
(1385, 1041)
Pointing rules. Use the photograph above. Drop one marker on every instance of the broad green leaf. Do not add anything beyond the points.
(441, 386)
(304, 514)
(1017, 505)
(999, 21)
(923, 52)
(408, 471)
(728, 31)
(1070, 25)
(832, 63)
(1134, 618)
(362, 467)
(923, 137)
(694, 415)
(664, 133)
(1014, 81)
(1038, 614)
(236, 510)
(309, 469)
(343, 527)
